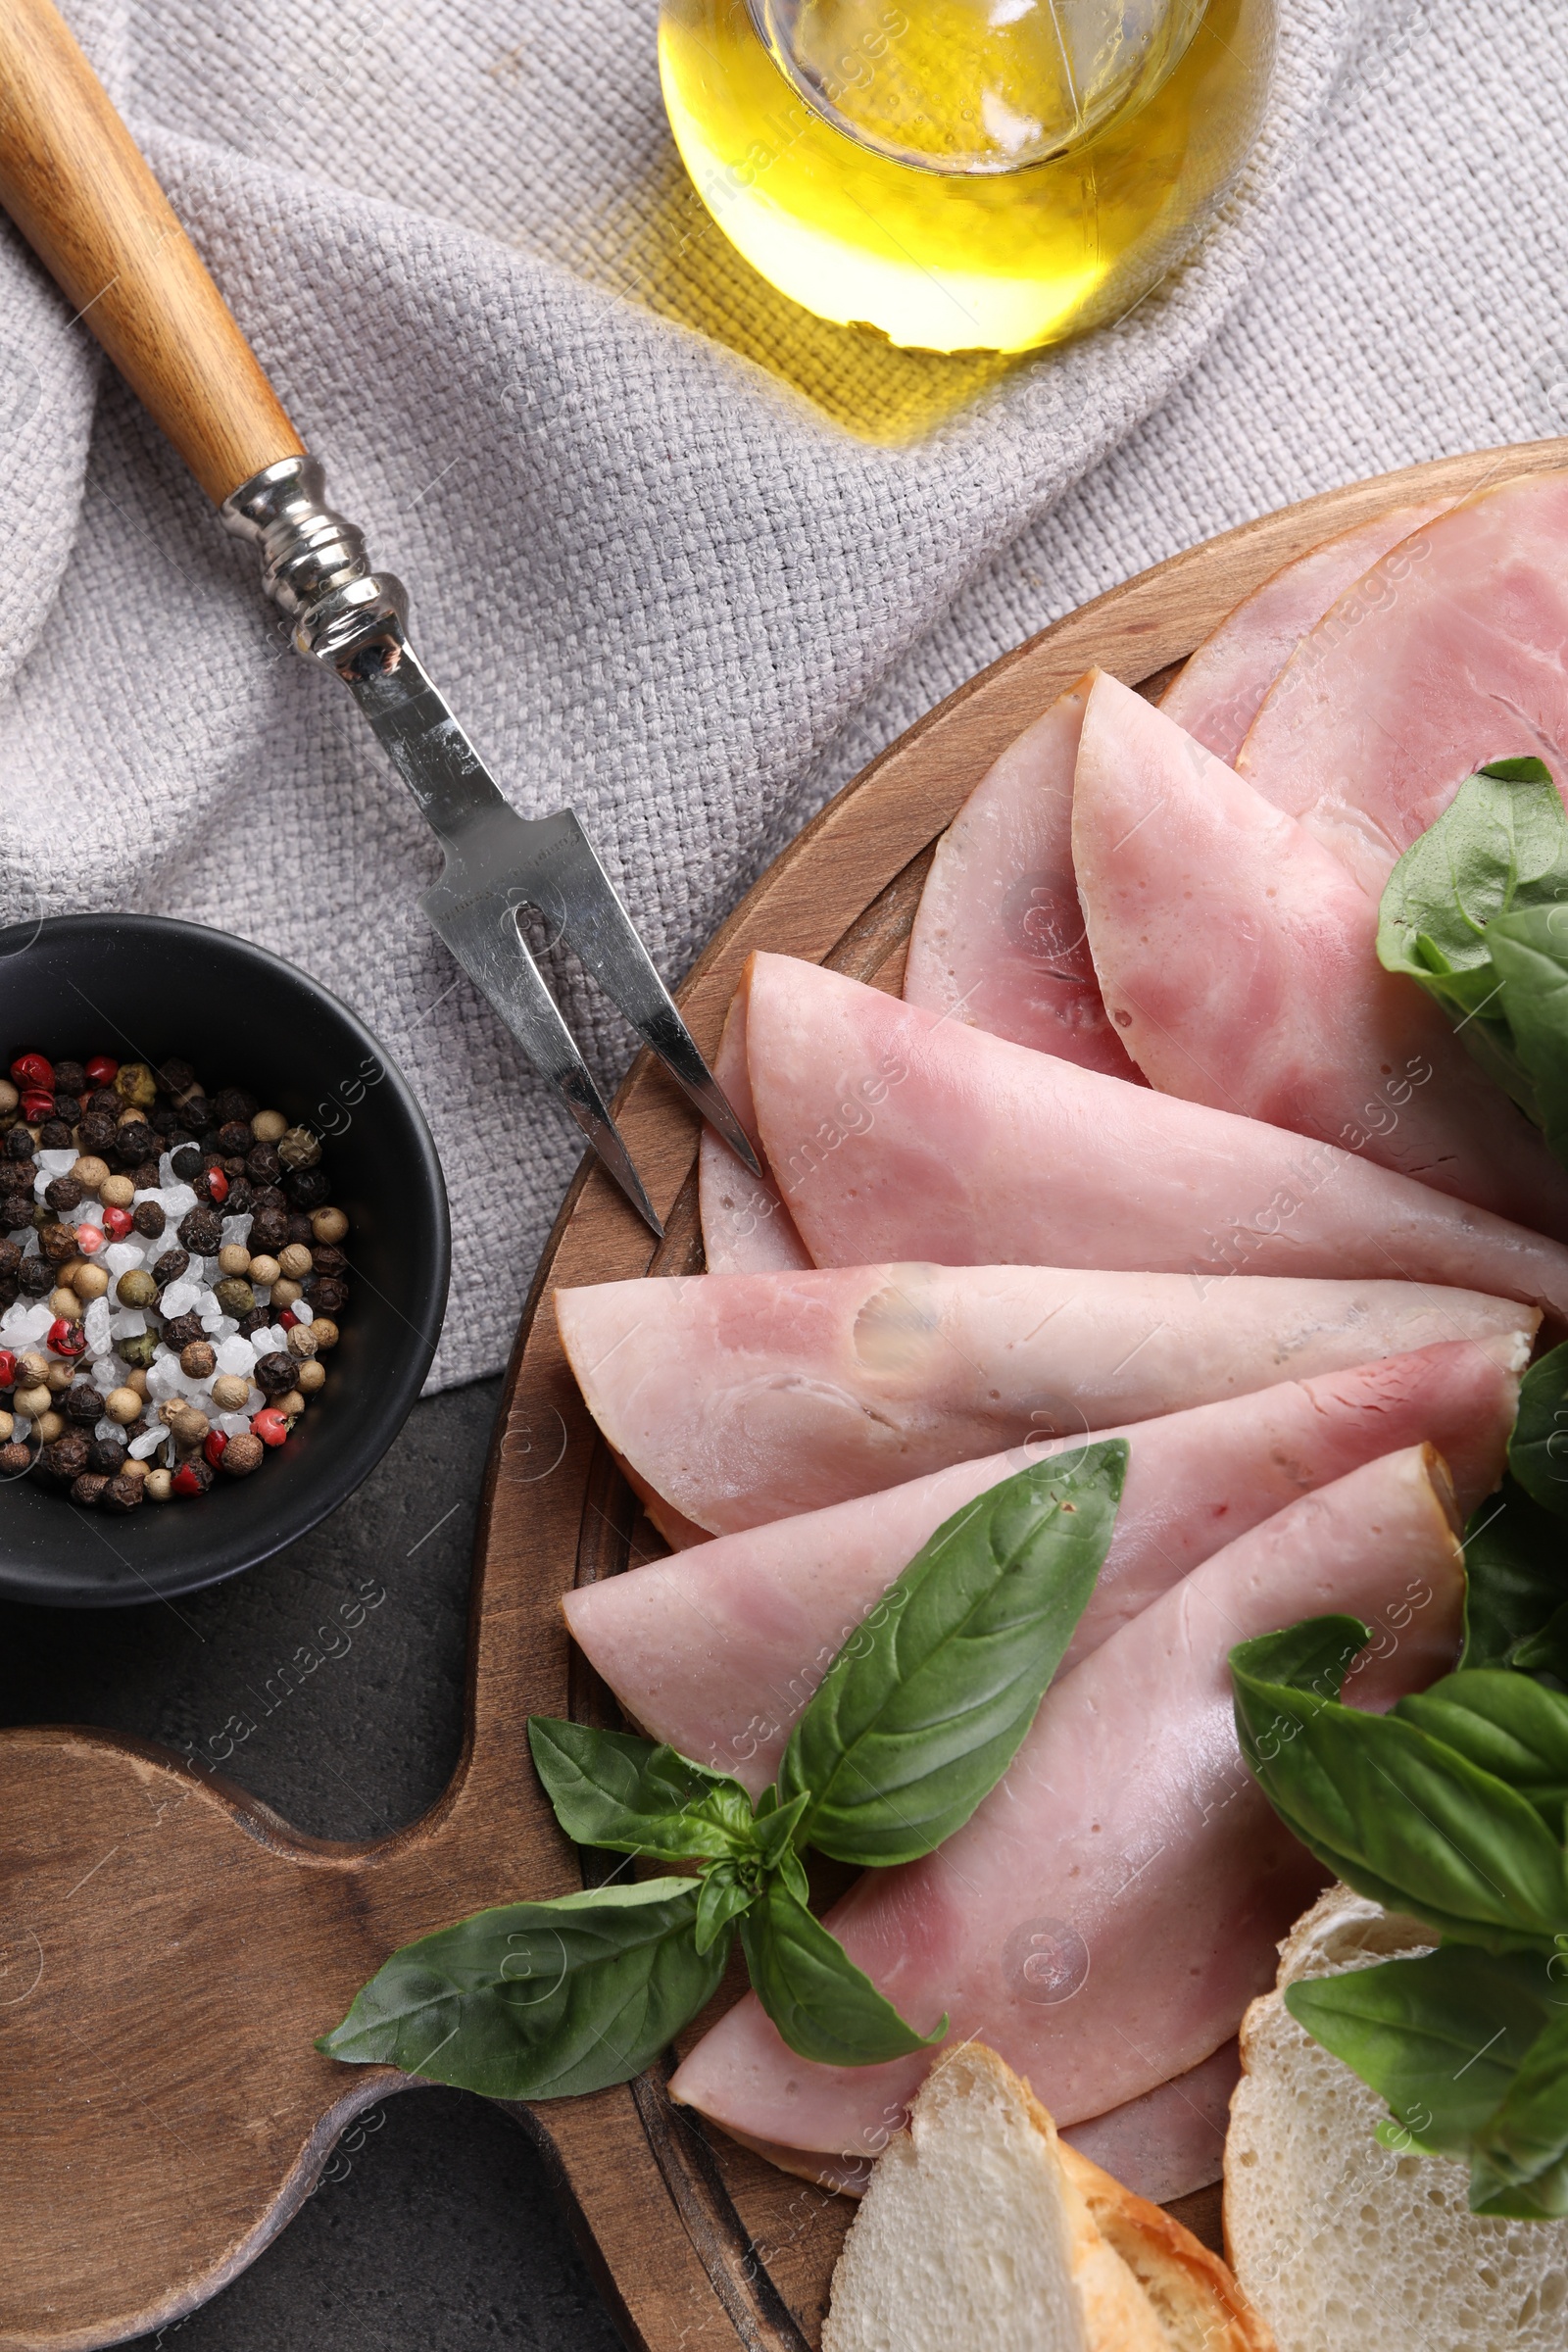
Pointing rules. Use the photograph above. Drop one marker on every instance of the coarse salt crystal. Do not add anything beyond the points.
(31, 1323)
(236, 1355)
(232, 1425)
(177, 1199)
(148, 1443)
(129, 1324)
(57, 1163)
(303, 1311)
(163, 1377)
(236, 1230)
(207, 1304)
(256, 1400)
(181, 1297)
(95, 1325)
(121, 1257)
(104, 1429)
(225, 1328)
(264, 1296)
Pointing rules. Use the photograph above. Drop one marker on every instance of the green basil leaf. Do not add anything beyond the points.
(613, 1789)
(1506, 1723)
(1501, 843)
(1528, 952)
(823, 2005)
(1517, 1576)
(1538, 1450)
(1398, 1815)
(539, 2001)
(724, 1894)
(774, 1827)
(1521, 2154)
(925, 1706)
(1441, 2038)
(1544, 1651)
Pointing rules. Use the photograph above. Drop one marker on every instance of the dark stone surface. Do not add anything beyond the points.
(434, 2229)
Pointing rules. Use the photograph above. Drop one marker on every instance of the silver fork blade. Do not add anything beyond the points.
(497, 861)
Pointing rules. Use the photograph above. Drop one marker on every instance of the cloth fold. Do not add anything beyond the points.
(657, 581)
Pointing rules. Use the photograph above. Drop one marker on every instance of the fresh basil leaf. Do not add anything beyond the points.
(1547, 1651)
(1398, 1815)
(539, 2001)
(1528, 952)
(610, 1788)
(925, 1706)
(1502, 842)
(1538, 1450)
(776, 1825)
(1520, 2164)
(1439, 2039)
(726, 1892)
(1506, 1723)
(823, 2005)
(1517, 1576)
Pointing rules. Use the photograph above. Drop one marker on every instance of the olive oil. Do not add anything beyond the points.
(966, 175)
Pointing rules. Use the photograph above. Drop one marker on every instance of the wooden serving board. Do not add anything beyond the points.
(169, 1947)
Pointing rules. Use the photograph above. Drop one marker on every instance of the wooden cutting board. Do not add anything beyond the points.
(169, 1947)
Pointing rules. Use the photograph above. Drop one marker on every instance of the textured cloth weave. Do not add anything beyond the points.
(662, 580)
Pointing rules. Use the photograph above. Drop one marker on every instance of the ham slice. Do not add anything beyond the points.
(1238, 958)
(718, 1649)
(746, 1227)
(1105, 1916)
(999, 938)
(740, 1399)
(1450, 652)
(896, 1135)
(1171, 2140)
(1220, 687)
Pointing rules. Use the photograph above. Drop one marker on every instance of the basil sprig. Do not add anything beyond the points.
(1453, 1808)
(1471, 911)
(916, 1720)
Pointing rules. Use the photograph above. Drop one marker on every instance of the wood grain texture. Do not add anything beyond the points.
(168, 1949)
(78, 188)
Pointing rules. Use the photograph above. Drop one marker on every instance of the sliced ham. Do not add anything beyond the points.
(1105, 1916)
(999, 938)
(746, 1227)
(896, 1135)
(1220, 687)
(718, 1649)
(1448, 654)
(1171, 2140)
(741, 1399)
(1238, 958)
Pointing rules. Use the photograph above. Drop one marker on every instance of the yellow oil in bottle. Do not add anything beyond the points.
(965, 174)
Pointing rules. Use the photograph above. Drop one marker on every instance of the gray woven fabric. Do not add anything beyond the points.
(659, 580)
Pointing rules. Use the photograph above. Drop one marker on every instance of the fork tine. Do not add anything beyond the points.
(572, 889)
(482, 929)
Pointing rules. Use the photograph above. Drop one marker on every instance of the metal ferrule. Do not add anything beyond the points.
(313, 564)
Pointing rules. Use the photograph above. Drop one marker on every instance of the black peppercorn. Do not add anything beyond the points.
(172, 1077)
(231, 1103)
(71, 1078)
(64, 1191)
(83, 1404)
(262, 1164)
(170, 1267)
(86, 1490)
(268, 1232)
(9, 1287)
(97, 1134)
(185, 1160)
(68, 1108)
(14, 1458)
(201, 1230)
(53, 1135)
(148, 1177)
(239, 1198)
(308, 1188)
(147, 1217)
(259, 1319)
(16, 1211)
(19, 1143)
(180, 1330)
(326, 1294)
(234, 1136)
(37, 1277)
(10, 1257)
(274, 1373)
(58, 1243)
(67, 1458)
(197, 1114)
(103, 1103)
(163, 1121)
(135, 1142)
(299, 1230)
(270, 1195)
(326, 1260)
(122, 1494)
(106, 1456)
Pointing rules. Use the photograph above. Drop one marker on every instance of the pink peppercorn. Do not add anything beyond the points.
(89, 1240)
(66, 1338)
(100, 1070)
(117, 1223)
(214, 1445)
(32, 1074)
(269, 1426)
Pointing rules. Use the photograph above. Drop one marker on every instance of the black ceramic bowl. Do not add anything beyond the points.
(144, 990)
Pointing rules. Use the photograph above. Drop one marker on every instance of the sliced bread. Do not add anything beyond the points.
(980, 2228)
(1340, 2244)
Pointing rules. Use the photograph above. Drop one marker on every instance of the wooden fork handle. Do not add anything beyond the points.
(81, 193)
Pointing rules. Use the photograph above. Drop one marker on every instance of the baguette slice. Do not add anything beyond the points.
(1340, 2244)
(980, 2227)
